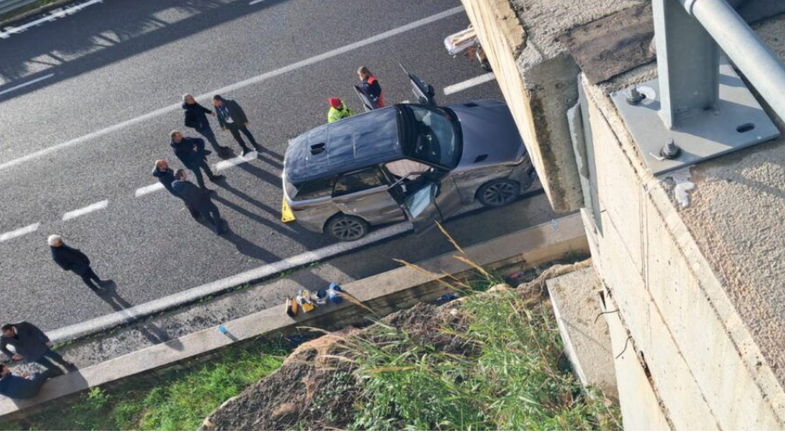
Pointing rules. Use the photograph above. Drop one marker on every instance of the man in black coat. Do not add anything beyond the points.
(71, 259)
(232, 117)
(165, 176)
(31, 345)
(197, 200)
(192, 154)
(196, 118)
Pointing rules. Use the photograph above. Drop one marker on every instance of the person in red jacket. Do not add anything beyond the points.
(370, 87)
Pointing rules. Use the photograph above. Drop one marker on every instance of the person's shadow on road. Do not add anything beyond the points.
(149, 331)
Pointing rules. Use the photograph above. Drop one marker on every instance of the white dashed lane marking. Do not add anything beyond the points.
(236, 161)
(19, 232)
(471, 82)
(255, 2)
(149, 189)
(85, 210)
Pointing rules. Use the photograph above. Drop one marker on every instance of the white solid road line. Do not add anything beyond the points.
(19, 86)
(463, 85)
(19, 232)
(84, 210)
(248, 82)
(118, 318)
(149, 189)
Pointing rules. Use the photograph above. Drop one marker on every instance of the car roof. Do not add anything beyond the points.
(349, 144)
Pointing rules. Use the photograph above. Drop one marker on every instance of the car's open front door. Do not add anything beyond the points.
(429, 202)
(422, 91)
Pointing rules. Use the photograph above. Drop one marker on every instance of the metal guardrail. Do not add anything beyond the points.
(9, 5)
(699, 108)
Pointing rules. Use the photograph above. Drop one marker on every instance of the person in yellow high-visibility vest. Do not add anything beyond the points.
(338, 110)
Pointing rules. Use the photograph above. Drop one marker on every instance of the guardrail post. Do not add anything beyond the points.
(687, 63)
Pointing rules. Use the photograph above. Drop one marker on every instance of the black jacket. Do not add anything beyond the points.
(190, 151)
(70, 259)
(196, 116)
(234, 110)
(29, 342)
(192, 195)
(165, 177)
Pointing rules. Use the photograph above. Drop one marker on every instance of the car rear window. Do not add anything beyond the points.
(312, 189)
(358, 181)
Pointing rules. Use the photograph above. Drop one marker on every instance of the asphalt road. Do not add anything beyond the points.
(90, 133)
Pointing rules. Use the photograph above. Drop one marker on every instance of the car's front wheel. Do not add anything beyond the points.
(346, 228)
(498, 192)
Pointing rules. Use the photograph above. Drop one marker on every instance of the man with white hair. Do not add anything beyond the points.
(71, 259)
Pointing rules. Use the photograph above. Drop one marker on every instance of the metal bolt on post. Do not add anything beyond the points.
(634, 96)
(670, 150)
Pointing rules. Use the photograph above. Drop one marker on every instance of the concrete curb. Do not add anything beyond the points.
(384, 293)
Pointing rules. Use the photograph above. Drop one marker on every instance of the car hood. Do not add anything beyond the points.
(488, 129)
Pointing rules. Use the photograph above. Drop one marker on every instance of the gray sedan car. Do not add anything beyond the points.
(405, 162)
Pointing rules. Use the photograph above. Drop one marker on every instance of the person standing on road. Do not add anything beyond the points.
(370, 87)
(164, 174)
(166, 177)
(192, 154)
(196, 118)
(197, 200)
(232, 117)
(20, 386)
(71, 259)
(32, 345)
(338, 110)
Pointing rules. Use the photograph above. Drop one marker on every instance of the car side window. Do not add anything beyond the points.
(314, 189)
(358, 181)
(404, 167)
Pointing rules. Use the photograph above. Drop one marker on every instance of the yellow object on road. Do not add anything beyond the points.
(286, 212)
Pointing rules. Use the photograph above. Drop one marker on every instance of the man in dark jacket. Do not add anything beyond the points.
(196, 118)
(71, 259)
(232, 117)
(16, 386)
(165, 176)
(31, 345)
(197, 200)
(192, 154)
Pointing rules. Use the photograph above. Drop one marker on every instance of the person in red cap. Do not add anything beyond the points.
(338, 110)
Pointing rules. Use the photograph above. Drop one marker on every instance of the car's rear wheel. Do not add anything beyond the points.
(498, 192)
(346, 228)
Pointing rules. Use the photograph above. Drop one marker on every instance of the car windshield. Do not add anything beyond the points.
(431, 134)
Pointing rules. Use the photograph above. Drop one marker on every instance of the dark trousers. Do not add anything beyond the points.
(195, 170)
(207, 132)
(88, 277)
(48, 357)
(236, 129)
(210, 213)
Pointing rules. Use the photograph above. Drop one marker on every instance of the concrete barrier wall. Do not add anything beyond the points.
(703, 363)
(538, 94)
